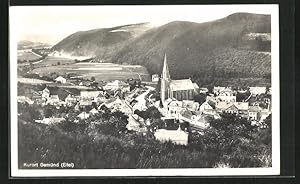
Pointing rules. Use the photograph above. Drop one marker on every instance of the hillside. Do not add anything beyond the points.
(101, 42)
(235, 46)
(26, 44)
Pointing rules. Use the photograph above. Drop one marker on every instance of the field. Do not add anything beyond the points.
(101, 71)
(27, 55)
(52, 60)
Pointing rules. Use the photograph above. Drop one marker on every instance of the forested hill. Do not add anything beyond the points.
(101, 42)
(232, 49)
(236, 46)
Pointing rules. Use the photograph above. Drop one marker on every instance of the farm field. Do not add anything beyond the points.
(53, 60)
(27, 55)
(101, 71)
(31, 81)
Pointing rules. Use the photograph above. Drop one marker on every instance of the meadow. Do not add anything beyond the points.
(27, 55)
(101, 71)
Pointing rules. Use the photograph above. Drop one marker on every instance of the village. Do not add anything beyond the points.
(181, 101)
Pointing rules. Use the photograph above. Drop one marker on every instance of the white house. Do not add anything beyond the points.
(173, 107)
(134, 122)
(45, 93)
(94, 111)
(84, 115)
(100, 98)
(89, 95)
(254, 112)
(239, 108)
(61, 80)
(53, 100)
(219, 89)
(226, 98)
(207, 108)
(203, 90)
(176, 136)
(70, 100)
(24, 99)
(257, 90)
(190, 104)
(155, 78)
(49, 121)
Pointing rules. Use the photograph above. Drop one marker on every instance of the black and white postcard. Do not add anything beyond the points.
(144, 90)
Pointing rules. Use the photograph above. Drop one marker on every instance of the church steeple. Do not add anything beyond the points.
(165, 72)
(165, 81)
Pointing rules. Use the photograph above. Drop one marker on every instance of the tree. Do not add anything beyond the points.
(93, 78)
(232, 138)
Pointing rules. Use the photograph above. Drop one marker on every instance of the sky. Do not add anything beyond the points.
(50, 24)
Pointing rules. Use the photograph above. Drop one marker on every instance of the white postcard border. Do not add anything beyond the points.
(274, 170)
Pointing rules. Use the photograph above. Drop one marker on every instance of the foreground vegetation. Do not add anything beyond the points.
(103, 141)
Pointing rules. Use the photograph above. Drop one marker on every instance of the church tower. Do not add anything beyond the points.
(165, 81)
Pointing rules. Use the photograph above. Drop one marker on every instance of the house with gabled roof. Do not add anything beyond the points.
(83, 115)
(53, 100)
(176, 136)
(61, 80)
(238, 108)
(45, 93)
(93, 111)
(208, 107)
(70, 100)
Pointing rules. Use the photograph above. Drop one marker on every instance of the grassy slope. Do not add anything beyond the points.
(101, 42)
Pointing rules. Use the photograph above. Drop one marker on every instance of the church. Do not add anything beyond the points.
(179, 89)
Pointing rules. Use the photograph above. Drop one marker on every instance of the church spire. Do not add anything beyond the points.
(165, 80)
(165, 72)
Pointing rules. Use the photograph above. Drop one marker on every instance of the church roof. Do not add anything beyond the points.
(183, 84)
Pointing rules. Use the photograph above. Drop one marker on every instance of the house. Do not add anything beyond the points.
(51, 120)
(208, 107)
(101, 97)
(38, 99)
(176, 136)
(155, 78)
(114, 103)
(115, 85)
(264, 114)
(85, 104)
(83, 115)
(89, 95)
(219, 90)
(53, 100)
(269, 91)
(238, 108)
(203, 90)
(70, 100)
(200, 121)
(93, 111)
(45, 93)
(61, 80)
(254, 112)
(191, 105)
(24, 99)
(224, 97)
(173, 107)
(135, 123)
(257, 90)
